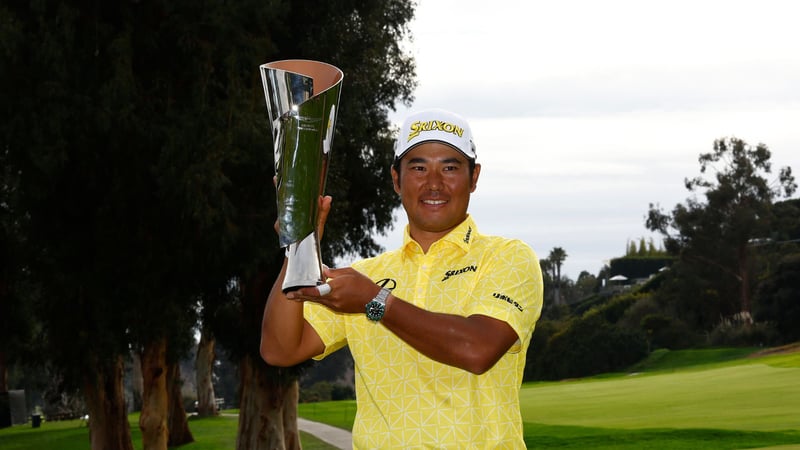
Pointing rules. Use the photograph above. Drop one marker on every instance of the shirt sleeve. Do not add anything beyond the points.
(510, 288)
(330, 327)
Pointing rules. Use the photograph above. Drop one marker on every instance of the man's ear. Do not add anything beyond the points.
(396, 180)
(475, 174)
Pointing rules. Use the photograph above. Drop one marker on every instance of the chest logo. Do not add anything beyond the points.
(452, 273)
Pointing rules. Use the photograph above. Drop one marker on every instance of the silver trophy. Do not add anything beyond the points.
(302, 101)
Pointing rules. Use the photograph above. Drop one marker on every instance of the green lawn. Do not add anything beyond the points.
(758, 397)
(210, 433)
(746, 403)
(694, 399)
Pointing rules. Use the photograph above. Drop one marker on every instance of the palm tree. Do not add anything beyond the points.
(556, 258)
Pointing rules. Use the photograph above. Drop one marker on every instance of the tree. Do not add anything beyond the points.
(780, 298)
(140, 137)
(377, 74)
(712, 238)
(16, 317)
(557, 257)
(631, 251)
(585, 285)
(204, 365)
(779, 256)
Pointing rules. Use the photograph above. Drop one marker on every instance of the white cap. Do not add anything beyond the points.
(435, 125)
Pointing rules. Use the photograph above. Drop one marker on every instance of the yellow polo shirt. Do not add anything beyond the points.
(406, 400)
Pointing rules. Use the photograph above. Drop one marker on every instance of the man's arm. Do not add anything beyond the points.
(286, 338)
(473, 343)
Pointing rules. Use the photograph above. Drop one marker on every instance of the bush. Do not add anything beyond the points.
(324, 391)
(778, 299)
(732, 333)
(342, 392)
(663, 330)
(535, 368)
(590, 346)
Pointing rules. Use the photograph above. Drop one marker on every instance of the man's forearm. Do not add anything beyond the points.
(282, 325)
(472, 343)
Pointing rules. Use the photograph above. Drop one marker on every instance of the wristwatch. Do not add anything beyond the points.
(377, 306)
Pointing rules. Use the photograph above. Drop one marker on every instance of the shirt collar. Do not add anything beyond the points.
(461, 236)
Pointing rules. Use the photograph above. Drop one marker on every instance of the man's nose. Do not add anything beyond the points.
(434, 181)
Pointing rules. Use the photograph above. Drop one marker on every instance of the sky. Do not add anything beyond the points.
(585, 112)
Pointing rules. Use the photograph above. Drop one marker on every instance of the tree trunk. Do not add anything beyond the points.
(105, 398)
(137, 383)
(179, 432)
(558, 283)
(204, 365)
(268, 408)
(744, 286)
(3, 372)
(4, 301)
(153, 421)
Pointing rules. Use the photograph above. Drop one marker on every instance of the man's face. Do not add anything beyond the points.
(434, 184)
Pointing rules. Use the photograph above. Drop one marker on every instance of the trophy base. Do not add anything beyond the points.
(287, 289)
(304, 265)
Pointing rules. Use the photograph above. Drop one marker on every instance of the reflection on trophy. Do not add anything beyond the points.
(302, 98)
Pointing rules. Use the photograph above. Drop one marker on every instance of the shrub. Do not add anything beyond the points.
(324, 391)
(734, 333)
(590, 346)
(534, 364)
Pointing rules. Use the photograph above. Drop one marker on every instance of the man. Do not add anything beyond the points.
(438, 328)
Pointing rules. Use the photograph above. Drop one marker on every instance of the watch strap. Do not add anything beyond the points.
(376, 307)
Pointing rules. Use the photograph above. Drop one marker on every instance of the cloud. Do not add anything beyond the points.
(615, 91)
(586, 112)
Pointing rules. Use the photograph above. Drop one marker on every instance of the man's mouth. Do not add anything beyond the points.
(434, 202)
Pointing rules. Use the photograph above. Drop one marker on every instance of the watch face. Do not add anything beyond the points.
(374, 310)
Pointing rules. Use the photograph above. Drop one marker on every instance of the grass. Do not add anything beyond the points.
(746, 396)
(694, 399)
(339, 414)
(210, 433)
(716, 402)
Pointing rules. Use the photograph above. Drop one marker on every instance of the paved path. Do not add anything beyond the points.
(335, 436)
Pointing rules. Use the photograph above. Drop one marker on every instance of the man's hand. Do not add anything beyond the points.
(348, 291)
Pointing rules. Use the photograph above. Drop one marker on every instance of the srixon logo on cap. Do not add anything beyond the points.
(434, 125)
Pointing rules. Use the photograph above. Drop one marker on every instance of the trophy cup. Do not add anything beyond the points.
(302, 98)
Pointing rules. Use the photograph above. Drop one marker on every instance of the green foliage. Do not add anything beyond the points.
(613, 310)
(588, 303)
(672, 360)
(137, 137)
(644, 248)
(589, 346)
(535, 366)
(318, 392)
(778, 300)
(785, 221)
(730, 332)
(325, 391)
(713, 276)
(639, 267)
